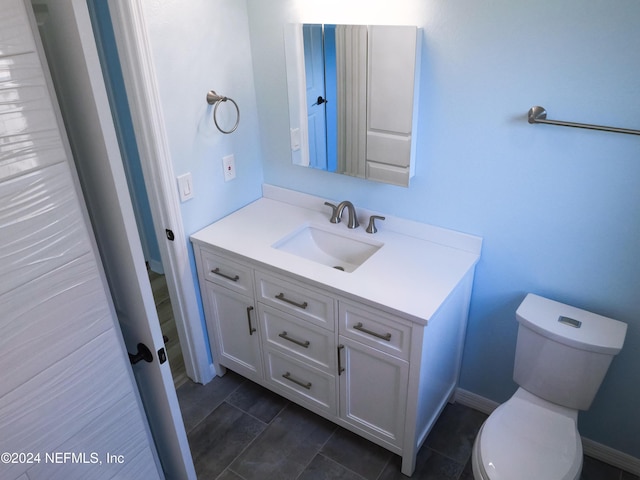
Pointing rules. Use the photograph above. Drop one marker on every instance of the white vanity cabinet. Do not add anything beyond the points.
(377, 354)
(299, 345)
(227, 292)
(374, 374)
(377, 374)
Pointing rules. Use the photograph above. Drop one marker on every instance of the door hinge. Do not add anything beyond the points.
(170, 234)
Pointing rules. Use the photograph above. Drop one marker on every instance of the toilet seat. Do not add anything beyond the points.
(529, 439)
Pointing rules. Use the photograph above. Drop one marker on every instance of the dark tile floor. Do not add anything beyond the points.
(238, 430)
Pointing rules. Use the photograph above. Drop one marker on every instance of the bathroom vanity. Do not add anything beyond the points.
(373, 345)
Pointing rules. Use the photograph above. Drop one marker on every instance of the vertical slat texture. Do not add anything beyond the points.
(65, 385)
(351, 70)
(40, 220)
(15, 35)
(29, 137)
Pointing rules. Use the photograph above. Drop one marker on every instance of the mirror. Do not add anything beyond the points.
(353, 98)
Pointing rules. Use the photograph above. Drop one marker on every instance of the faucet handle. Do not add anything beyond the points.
(334, 214)
(371, 228)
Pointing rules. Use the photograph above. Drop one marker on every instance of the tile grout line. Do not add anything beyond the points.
(318, 451)
(384, 467)
(266, 425)
(340, 464)
(212, 410)
(464, 464)
(228, 466)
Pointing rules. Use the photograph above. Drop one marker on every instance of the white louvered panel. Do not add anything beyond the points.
(41, 224)
(64, 400)
(29, 136)
(97, 438)
(66, 384)
(15, 36)
(49, 318)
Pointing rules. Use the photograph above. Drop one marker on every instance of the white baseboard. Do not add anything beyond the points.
(611, 456)
(156, 266)
(593, 449)
(475, 401)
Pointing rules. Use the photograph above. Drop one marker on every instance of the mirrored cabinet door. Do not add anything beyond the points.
(353, 98)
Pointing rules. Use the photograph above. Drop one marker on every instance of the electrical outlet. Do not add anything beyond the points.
(229, 165)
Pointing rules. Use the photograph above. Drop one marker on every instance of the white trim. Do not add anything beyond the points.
(297, 91)
(590, 448)
(611, 456)
(148, 121)
(475, 401)
(156, 266)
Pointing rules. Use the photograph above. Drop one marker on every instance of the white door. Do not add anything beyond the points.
(66, 30)
(69, 408)
(316, 101)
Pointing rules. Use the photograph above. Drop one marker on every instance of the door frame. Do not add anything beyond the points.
(140, 81)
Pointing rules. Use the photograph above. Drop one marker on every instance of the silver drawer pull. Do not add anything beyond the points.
(304, 344)
(251, 329)
(288, 376)
(281, 296)
(340, 367)
(228, 277)
(383, 336)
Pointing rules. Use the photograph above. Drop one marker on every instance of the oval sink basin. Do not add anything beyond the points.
(328, 248)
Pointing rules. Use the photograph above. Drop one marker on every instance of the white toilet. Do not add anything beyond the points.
(562, 356)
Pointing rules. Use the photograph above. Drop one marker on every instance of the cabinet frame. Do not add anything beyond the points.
(426, 362)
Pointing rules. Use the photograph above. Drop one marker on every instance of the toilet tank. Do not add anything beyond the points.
(563, 352)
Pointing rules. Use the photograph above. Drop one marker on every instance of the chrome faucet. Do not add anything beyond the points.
(336, 215)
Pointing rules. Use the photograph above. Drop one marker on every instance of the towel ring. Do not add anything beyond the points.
(214, 99)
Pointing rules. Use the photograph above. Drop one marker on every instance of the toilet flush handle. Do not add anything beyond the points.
(572, 322)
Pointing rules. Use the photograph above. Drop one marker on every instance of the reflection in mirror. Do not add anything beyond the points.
(352, 96)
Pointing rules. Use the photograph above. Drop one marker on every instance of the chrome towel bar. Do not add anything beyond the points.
(214, 99)
(539, 115)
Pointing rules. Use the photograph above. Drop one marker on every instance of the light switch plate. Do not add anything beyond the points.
(185, 186)
(295, 139)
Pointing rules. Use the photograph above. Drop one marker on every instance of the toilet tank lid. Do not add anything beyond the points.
(572, 326)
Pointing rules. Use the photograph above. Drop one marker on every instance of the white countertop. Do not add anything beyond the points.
(410, 274)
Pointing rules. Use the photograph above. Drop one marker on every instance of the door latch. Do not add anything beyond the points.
(143, 354)
(320, 101)
(162, 356)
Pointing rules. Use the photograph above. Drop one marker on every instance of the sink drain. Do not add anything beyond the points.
(338, 267)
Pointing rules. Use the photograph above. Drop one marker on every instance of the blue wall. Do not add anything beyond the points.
(558, 208)
(196, 49)
(114, 82)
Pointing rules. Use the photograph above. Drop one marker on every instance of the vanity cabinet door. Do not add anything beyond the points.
(373, 391)
(233, 331)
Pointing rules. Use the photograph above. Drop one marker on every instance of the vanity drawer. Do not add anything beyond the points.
(301, 382)
(307, 342)
(308, 304)
(376, 329)
(228, 273)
